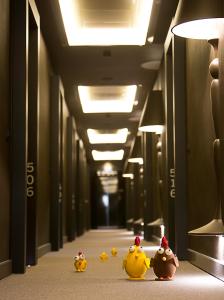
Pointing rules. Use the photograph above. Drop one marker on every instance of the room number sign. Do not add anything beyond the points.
(172, 183)
(30, 179)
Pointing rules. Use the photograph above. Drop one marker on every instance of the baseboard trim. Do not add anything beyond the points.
(43, 249)
(5, 268)
(207, 263)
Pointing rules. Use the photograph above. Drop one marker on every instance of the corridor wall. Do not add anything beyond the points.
(5, 263)
(43, 205)
(33, 104)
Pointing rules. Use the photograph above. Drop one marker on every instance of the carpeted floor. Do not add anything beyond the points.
(55, 278)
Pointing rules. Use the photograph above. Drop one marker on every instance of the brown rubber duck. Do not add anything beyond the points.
(165, 262)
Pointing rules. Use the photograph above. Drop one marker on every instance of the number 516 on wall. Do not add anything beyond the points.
(30, 179)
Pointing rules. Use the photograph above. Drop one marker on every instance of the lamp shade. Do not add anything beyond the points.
(199, 19)
(153, 118)
(136, 154)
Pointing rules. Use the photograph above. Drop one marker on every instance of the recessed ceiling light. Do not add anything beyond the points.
(103, 99)
(119, 136)
(110, 189)
(106, 173)
(87, 24)
(108, 155)
(109, 182)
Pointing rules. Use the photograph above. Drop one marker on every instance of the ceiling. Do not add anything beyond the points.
(105, 65)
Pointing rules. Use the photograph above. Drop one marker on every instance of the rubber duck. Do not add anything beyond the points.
(114, 251)
(103, 256)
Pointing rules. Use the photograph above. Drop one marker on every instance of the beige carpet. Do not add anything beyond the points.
(55, 278)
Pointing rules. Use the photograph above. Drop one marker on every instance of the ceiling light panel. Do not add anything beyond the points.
(117, 22)
(108, 155)
(103, 99)
(119, 136)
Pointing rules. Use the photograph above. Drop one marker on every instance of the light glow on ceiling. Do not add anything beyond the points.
(119, 136)
(112, 26)
(108, 155)
(107, 99)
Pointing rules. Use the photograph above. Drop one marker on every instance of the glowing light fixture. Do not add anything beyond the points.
(150, 39)
(119, 136)
(203, 19)
(106, 173)
(103, 99)
(108, 155)
(105, 200)
(108, 182)
(128, 175)
(138, 160)
(113, 26)
(136, 156)
(153, 118)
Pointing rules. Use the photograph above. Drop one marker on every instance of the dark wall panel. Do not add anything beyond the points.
(65, 114)
(43, 206)
(4, 131)
(202, 195)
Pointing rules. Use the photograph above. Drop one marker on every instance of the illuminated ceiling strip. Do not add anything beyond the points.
(120, 136)
(89, 105)
(78, 35)
(108, 155)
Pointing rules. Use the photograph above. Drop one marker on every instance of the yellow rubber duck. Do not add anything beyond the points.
(103, 256)
(114, 251)
(80, 262)
(136, 263)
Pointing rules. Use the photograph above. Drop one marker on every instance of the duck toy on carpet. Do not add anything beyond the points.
(165, 262)
(103, 256)
(80, 263)
(114, 251)
(136, 263)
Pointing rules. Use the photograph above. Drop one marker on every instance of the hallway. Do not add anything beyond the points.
(54, 276)
(111, 126)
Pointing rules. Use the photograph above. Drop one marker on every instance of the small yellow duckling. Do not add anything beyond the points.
(80, 262)
(114, 251)
(136, 263)
(103, 256)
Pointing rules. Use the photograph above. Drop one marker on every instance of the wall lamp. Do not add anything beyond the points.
(153, 117)
(153, 121)
(203, 19)
(136, 156)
